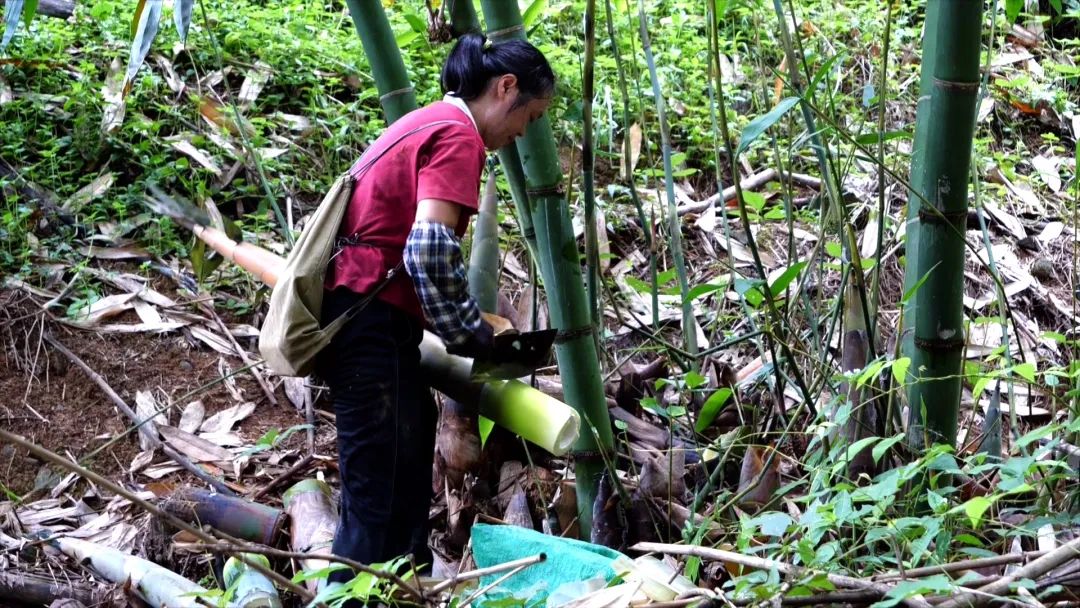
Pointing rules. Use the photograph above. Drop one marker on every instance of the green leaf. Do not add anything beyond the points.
(1037, 434)
(761, 123)
(1057, 5)
(900, 369)
(754, 200)
(823, 71)
(883, 447)
(773, 523)
(869, 139)
(932, 584)
(1012, 9)
(860, 445)
(694, 380)
(975, 508)
(416, 23)
(834, 249)
(711, 408)
(916, 286)
(485, 426)
(29, 10)
(785, 279)
(1025, 371)
(182, 17)
(147, 28)
(701, 290)
(12, 10)
(533, 12)
(937, 502)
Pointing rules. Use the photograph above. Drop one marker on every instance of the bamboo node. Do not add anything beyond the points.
(507, 32)
(940, 345)
(956, 86)
(395, 93)
(937, 216)
(569, 335)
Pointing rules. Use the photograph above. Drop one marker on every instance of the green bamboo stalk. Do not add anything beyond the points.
(588, 185)
(561, 269)
(689, 323)
(646, 227)
(918, 162)
(939, 323)
(395, 90)
(463, 17)
(875, 289)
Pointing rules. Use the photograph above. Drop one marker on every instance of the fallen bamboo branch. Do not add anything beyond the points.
(768, 564)
(1035, 569)
(967, 564)
(755, 181)
(453, 581)
(235, 545)
(145, 430)
(300, 465)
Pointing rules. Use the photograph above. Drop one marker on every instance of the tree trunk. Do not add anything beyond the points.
(939, 323)
(558, 256)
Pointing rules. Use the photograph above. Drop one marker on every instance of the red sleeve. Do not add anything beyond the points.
(452, 171)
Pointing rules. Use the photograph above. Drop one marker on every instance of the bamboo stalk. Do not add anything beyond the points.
(939, 323)
(230, 514)
(395, 91)
(588, 162)
(689, 323)
(579, 361)
(313, 524)
(30, 588)
(484, 256)
(918, 162)
(251, 589)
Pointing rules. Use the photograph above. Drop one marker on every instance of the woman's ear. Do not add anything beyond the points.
(506, 86)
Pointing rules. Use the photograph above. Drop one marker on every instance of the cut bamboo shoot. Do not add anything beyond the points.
(313, 525)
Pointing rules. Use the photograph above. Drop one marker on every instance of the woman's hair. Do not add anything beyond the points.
(474, 61)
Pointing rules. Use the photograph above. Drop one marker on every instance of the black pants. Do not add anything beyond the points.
(385, 430)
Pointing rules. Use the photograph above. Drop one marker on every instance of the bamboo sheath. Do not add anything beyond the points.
(509, 403)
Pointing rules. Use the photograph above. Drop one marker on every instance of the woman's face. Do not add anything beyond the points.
(504, 122)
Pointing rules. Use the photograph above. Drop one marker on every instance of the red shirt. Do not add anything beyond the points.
(441, 162)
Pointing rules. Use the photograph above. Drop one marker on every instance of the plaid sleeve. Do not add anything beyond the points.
(433, 260)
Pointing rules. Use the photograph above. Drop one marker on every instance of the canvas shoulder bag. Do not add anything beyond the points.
(292, 334)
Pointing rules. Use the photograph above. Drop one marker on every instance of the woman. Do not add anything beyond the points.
(418, 186)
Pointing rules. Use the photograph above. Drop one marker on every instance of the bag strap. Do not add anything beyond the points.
(356, 172)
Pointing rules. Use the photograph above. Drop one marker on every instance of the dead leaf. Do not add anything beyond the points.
(211, 339)
(1051, 231)
(112, 93)
(298, 392)
(89, 192)
(106, 307)
(193, 446)
(635, 151)
(141, 461)
(192, 416)
(227, 439)
(223, 421)
(5, 92)
(176, 85)
(254, 81)
(146, 407)
(199, 156)
(229, 380)
(129, 252)
(293, 121)
(1007, 220)
(146, 312)
(1048, 171)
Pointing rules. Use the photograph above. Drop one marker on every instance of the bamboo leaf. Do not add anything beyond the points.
(785, 279)
(12, 10)
(860, 445)
(881, 448)
(711, 408)
(761, 123)
(182, 17)
(1012, 9)
(900, 368)
(149, 17)
(533, 12)
(29, 10)
(975, 508)
(485, 425)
